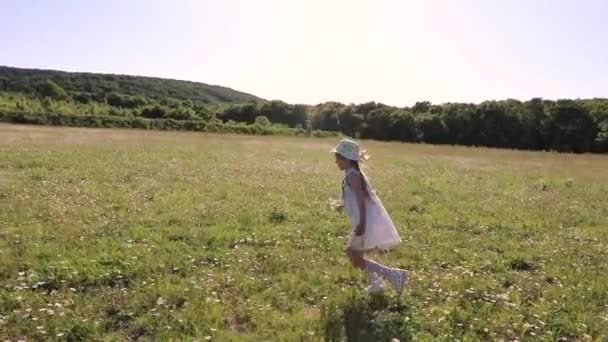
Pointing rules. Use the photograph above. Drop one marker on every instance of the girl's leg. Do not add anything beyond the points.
(395, 276)
(371, 266)
(358, 261)
(356, 258)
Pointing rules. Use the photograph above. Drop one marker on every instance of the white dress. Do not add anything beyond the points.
(380, 232)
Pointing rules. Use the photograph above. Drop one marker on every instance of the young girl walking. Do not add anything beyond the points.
(372, 228)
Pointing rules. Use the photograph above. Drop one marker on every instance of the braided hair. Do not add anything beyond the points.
(363, 178)
(355, 164)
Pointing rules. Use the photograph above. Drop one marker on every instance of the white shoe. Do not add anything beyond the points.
(376, 288)
(398, 279)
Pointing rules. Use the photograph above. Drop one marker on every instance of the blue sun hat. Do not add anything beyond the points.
(349, 149)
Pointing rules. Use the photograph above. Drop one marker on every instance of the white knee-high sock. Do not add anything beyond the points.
(373, 277)
(374, 267)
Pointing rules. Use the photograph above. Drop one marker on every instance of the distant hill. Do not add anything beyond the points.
(97, 86)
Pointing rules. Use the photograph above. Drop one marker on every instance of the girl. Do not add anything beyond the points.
(372, 228)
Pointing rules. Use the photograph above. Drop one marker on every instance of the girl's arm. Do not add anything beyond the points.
(356, 184)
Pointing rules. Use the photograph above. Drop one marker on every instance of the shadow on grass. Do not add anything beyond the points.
(363, 318)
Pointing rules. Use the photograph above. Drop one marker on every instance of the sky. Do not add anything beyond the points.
(309, 51)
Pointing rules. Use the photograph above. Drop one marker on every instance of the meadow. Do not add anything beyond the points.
(117, 235)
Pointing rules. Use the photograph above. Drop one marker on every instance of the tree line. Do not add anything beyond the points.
(563, 125)
(567, 125)
(261, 126)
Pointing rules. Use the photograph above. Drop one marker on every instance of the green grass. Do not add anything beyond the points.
(116, 235)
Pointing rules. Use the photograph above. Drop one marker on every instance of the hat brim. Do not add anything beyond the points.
(343, 156)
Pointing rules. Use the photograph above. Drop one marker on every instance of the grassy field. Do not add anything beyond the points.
(117, 235)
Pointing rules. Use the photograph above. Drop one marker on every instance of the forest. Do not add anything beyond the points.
(38, 96)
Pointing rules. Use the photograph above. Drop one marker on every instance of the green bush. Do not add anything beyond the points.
(324, 134)
(113, 121)
(140, 123)
(262, 121)
(50, 89)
